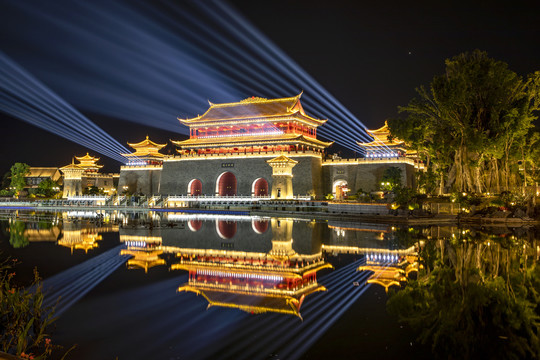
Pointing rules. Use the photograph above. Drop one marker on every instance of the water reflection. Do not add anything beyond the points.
(464, 289)
(477, 293)
(254, 281)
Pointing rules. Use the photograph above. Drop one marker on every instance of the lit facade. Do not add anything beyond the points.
(84, 174)
(239, 149)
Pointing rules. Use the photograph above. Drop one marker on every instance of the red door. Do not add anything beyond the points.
(260, 188)
(227, 184)
(195, 188)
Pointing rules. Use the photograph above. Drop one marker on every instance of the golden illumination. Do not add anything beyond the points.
(246, 109)
(146, 149)
(143, 258)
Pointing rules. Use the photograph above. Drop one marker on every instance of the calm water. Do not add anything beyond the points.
(179, 286)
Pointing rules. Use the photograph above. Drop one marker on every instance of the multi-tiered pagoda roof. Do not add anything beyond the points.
(88, 163)
(383, 145)
(146, 152)
(253, 125)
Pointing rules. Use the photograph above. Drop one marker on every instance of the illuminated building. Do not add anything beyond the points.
(143, 258)
(282, 177)
(383, 146)
(253, 126)
(77, 238)
(277, 281)
(259, 148)
(78, 177)
(248, 263)
(38, 174)
(142, 173)
(389, 269)
(146, 153)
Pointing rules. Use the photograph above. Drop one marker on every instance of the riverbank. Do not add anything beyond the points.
(373, 213)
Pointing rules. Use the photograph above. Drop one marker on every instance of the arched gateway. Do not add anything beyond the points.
(226, 229)
(260, 187)
(226, 184)
(195, 187)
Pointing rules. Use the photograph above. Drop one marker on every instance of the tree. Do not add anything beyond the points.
(47, 188)
(391, 178)
(93, 190)
(472, 123)
(6, 180)
(17, 238)
(478, 298)
(18, 176)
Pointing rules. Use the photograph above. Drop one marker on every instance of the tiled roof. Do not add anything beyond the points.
(250, 140)
(252, 108)
(43, 172)
(146, 143)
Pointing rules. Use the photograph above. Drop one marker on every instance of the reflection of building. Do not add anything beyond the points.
(389, 262)
(79, 239)
(143, 257)
(78, 234)
(38, 234)
(85, 174)
(389, 269)
(276, 281)
(144, 246)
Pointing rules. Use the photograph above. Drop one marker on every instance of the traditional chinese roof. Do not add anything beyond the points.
(79, 240)
(253, 108)
(384, 275)
(251, 141)
(44, 172)
(146, 143)
(72, 166)
(88, 162)
(291, 273)
(143, 259)
(281, 159)
(252, 301)
(146, 149)
(380, 138)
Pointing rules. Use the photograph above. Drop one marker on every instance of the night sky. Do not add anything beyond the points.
(370, 56)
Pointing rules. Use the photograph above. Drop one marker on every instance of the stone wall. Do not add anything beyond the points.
(176, 175)
(72, 187)
(306, 236)
(145, 181)
(364, 176)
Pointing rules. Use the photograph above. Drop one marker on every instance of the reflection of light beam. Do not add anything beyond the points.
(268, 330)
(265, 75)
(272, 53)
(139, 63)
(26, 98)
(72, 284)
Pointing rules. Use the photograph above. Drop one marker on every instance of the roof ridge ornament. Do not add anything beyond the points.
(254, 99)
